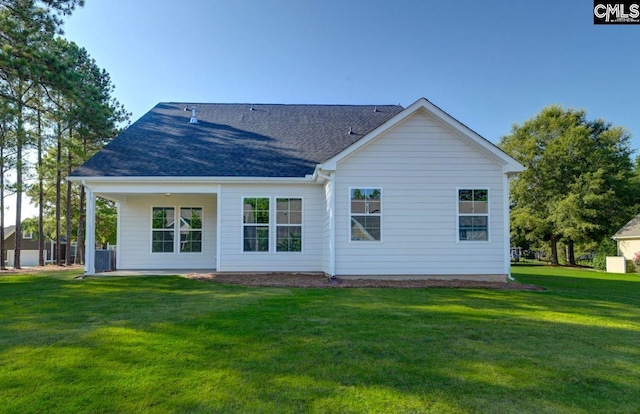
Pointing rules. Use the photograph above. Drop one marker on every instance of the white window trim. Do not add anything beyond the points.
(176, 230)
(301, 225)
(201, 232)
(152, 230)
(382, 207)
(272, 225)
(242, 224)
(488, 214)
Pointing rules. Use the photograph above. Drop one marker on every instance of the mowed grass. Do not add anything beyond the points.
(168, 344)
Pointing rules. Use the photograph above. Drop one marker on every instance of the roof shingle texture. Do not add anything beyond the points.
(631, 229)
(234, 140)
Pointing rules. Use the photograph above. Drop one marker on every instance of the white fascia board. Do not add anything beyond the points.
(206, 180)
(321, 175)
(625, 237)
(512, 170)
(116, 188)
(465, 133)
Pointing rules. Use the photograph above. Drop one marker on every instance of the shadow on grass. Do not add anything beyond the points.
(170, 344)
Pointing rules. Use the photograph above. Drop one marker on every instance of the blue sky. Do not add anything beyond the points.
(489, 64)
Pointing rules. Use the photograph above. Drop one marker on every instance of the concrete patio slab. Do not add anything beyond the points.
(157, 272)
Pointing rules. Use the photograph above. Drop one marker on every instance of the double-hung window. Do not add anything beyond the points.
(288, 224)
(473, 215)
(255, 224)
(162, 229)
(366, 214)
(190, 230)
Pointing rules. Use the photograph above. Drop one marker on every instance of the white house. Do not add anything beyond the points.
(348, 190)
(628, 239)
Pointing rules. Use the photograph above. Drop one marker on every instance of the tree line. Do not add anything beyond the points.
(56, 110)
(580, 185)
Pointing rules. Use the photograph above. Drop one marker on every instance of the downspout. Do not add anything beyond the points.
(332, 221)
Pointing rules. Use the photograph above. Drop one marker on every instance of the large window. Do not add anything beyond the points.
(163, 229)
(190, 230)
(256, 224)
(473, 215)
(289, 224)
(366, 214)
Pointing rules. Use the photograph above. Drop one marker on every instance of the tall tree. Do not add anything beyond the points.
(93, 117)
(578, 185)
(6, 163)
(81, 124)
(27, 28)
(40, 147)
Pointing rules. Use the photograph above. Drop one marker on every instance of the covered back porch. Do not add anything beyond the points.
(172, 226)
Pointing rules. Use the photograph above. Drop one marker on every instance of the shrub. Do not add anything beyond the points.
(607, 247)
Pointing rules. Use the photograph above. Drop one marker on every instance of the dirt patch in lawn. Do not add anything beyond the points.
(303, 280)
(38, 269)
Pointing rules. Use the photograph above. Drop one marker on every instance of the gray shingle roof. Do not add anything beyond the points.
(233, 140)
(9, 229)
(631, 229)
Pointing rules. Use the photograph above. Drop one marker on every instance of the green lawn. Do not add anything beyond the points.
(169, 344)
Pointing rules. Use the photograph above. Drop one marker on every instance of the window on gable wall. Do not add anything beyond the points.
(473, 215)
(366, 214)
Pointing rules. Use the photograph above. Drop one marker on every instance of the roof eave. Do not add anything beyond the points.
(182, 179)
(615, 237)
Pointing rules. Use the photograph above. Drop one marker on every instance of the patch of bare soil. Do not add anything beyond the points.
(37, 269)
(305, 280)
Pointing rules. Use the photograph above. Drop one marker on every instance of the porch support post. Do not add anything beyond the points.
(219, 229)
(506, 214)
(90, 238)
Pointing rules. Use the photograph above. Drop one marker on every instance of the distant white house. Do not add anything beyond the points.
(348, 190)
(628, 238)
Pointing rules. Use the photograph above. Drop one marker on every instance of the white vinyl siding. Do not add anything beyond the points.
(420, 165)
(134, 246)
(234, 259)
(629, 247)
